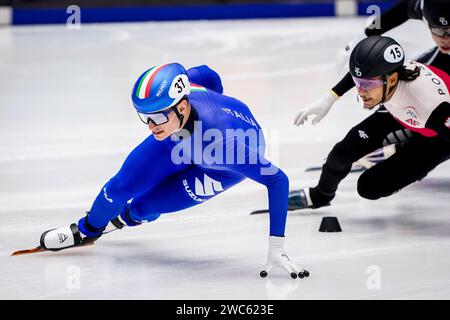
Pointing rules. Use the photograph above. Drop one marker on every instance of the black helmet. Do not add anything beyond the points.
(437, 13)
(376, 56)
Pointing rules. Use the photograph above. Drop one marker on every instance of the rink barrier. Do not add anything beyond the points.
(25, 16)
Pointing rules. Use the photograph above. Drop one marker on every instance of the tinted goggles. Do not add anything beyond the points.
(440, 32)
(157, 118)
(367, 84)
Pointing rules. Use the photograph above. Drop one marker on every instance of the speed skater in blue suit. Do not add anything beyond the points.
(202, 143)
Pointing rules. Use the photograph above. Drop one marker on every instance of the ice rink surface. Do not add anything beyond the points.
(67, 123)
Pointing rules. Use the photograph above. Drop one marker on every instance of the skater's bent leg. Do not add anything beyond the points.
(136, 176)
(359, 141)
(412, 162)
(336, 168)
(186, 189)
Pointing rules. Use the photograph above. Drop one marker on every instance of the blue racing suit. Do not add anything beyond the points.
(220, 145)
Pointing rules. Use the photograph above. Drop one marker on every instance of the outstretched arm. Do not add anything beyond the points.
(253, 165)
(344, 85)
(277, 183)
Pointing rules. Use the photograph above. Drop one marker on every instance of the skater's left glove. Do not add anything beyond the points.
(278, 258)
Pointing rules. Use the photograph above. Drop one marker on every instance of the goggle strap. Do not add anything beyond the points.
(384, 89)
(179, 115)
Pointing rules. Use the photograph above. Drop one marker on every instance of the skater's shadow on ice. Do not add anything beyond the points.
(415, 223)
(421, 226)
(432, 185)
(422, 210)
(151, 256)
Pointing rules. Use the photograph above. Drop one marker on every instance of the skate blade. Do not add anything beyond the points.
(40, 249)
(34, 250)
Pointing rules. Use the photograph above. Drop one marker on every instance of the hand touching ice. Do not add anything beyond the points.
(278, 258)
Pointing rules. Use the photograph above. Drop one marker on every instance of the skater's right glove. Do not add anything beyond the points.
(278, 258)
(319, 108)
